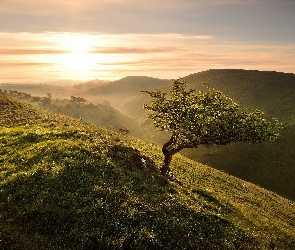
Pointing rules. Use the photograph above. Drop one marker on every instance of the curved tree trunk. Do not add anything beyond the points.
(166, 166)
(168, 154)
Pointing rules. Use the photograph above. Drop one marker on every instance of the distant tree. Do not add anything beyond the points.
(81, 100)
(73, 98)
(49, 95)
(205, 118)
(78, 99)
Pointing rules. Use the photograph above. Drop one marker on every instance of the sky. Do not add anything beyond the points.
(110, 39)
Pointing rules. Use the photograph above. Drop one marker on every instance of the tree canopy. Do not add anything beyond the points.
(205, 118)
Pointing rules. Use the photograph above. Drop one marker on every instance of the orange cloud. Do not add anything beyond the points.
(30, 51)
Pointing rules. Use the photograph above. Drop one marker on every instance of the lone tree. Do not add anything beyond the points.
(205, 118)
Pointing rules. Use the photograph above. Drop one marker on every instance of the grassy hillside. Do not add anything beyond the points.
(67, 184)
(269, 165)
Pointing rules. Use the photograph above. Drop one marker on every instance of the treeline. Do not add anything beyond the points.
(15, 92)
(78, 99)
(47, 99)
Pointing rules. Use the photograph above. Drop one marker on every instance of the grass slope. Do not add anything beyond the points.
(66, 184)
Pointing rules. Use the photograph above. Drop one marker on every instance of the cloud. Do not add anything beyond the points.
(86, 56)
(132, 50)
(16, 65)
(30, 51)
(116, 16)
(264, 20)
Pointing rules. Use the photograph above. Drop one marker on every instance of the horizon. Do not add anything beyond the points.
(71, 82)
(62, 40)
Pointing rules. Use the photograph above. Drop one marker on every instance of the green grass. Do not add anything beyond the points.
(66, 184)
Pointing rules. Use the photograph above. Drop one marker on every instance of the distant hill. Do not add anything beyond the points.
(15, 113)
(58, 89)
(116, 92)
(103, 115)
(272, 92)
(95, 91)
(68, 184)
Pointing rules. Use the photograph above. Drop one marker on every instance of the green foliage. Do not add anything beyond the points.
(207, 118)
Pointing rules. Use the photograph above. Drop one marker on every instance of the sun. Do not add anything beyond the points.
(77, 60)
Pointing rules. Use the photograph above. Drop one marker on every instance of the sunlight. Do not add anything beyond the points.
(78, 61)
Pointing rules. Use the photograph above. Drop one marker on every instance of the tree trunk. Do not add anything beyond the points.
(166, 166)
(168, 154)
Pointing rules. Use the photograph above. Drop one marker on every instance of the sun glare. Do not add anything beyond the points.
(77, 61)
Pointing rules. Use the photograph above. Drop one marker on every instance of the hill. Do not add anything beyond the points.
(67, 184)
(270, 91)
(268, 165)
(116, 92)
(103, 115)
(58, 89)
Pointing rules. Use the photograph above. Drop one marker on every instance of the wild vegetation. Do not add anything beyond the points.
(68, 184)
